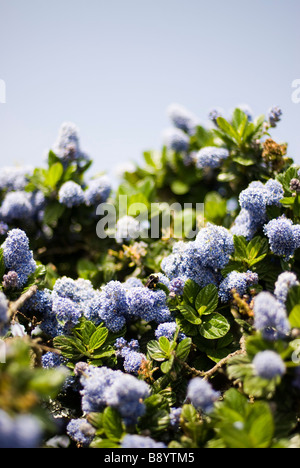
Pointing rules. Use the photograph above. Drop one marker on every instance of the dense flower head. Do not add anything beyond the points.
(148, 304)
(202, 395)
(67, 313)
(98, 191)
(111, 306)
(14, 178)
(168, 330)
(96, 383)
(185, 262)
(270, 317)
(71, 194)
(246, 224)
(283, 236)
(132, 360)
(131, 441)
(126, 395)
(254, 201)
(284, 283)
(23, 432)
(81, 431)
(238, 282)
(175, 415)
(176, 140)
(67, 145)
(182, 118)
(51, 360)
(177, 286)
(214, 246)
(11, 280)
(17, 256)
(211, 157)
(269, 365)
(274, 115)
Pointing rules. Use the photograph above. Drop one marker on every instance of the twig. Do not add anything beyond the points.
(16, 305)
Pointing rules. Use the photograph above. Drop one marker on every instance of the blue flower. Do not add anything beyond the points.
(22, 432)
(67, 146)
(283, 237)
(182, 118)
(274, 115)
(51, 360)
(284, 283)
(98, 191)
(126, 395)
(176, 140)
(111, 306)
(131, 441)
(202, 395)
(270, 317)
(239, 282)
(81, 431)
(148, 304)
(97, 383)
(14, 178)
(17, 256)
(71, 194)
(211, 157)
(213, 246)
(175, 415)
(268, 365)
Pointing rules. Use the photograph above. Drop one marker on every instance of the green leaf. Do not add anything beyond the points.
(207, 300)
(183, 349)
(190, 292)
(214, 326)
(167, 365)
(98, 338)
(164, 344)
(54, 174)
(2, 264)
(112, 424)
(48, 382)
(294, 317)
(53, 212)
(190, 314)
(240, 247)
(155, 351)
(179, 188)
(228, 129)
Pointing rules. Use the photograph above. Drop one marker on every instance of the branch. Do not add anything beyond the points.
(15, 306)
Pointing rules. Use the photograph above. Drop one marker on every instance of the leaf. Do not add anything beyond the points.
(294, 317)
(190, 314)
(228, 129)
(214, 326)
(179, 188)
(54, 174)
(53, 212)
(183, 349)
(155, 351)
(240, 247)
(98, 338)
(207, 300)
(112, 424)
(167, 365)
(165, 345)
(190, 292)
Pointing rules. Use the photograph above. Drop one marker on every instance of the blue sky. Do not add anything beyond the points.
(112, 67)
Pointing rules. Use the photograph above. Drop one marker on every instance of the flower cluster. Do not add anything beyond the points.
(236, 282)
(211, 157)
(284, 236)
(105, 387)
(17, 255)
(268, 365)
(254, 202)
(67, 145)
(24, 431)
(270, 317)
(202, 395)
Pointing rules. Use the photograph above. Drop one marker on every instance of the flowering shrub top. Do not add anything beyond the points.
(131, 341)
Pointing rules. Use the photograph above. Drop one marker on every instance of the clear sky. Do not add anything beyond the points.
(113, 66)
